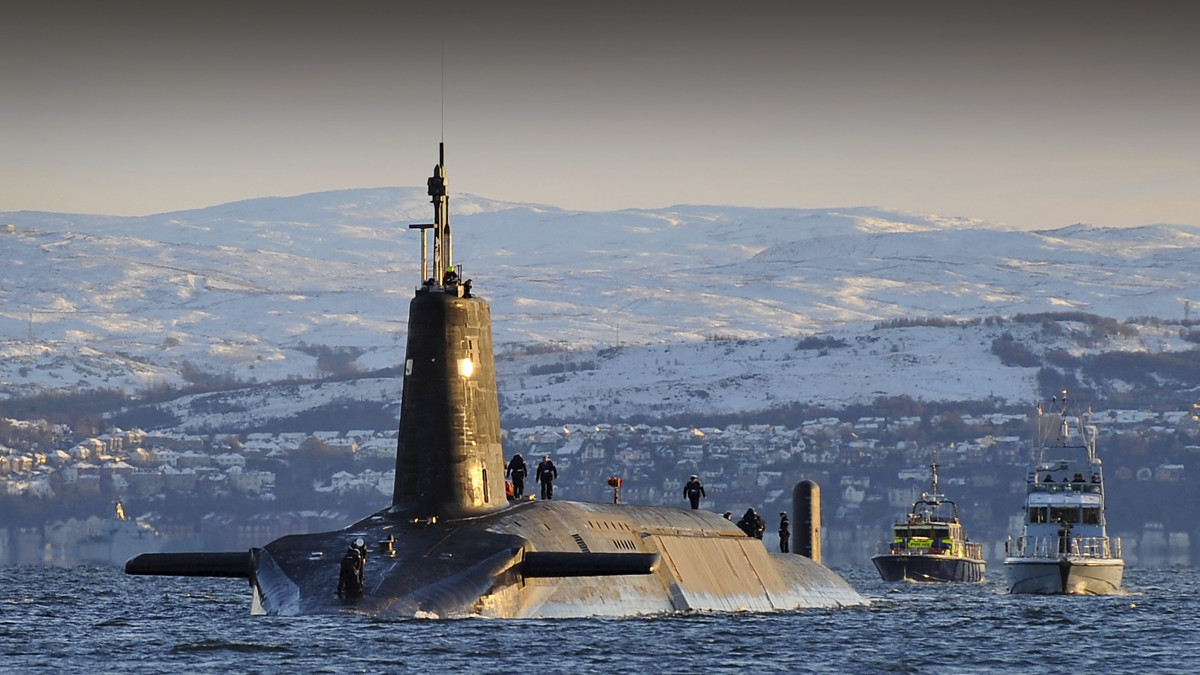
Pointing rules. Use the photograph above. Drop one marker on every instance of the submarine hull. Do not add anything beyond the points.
(597, 560)
(452, 545)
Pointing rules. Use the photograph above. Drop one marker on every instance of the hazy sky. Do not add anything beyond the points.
(1033, 114)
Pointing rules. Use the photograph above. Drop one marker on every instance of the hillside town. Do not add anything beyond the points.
(104, 498)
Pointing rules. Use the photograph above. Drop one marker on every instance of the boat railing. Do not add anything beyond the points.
(1094, 488)
(973, 550)
(1053, 547)
(969, 549)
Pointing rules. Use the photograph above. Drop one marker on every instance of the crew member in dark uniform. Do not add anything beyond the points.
(785, 531)
(694, 490)
(350, 575)
(546, 473)
(517, 471)
(749, 522)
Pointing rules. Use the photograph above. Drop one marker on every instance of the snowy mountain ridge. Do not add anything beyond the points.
(705, 299)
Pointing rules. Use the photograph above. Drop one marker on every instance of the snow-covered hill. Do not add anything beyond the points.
(704, 299)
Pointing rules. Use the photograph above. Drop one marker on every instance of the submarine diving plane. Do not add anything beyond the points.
(452, 545)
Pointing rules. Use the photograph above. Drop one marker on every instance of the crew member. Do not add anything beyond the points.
(517, 471)
(546, 473)
(694, 490)
(785, 531)
(749, 522)
(350, 575)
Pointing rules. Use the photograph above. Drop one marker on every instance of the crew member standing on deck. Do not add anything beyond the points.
(749, 522)
(546, 473)
(517, 471)
(785, 531)
(350, 575)
(694, 490)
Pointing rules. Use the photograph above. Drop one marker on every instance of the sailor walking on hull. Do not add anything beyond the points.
(546, 473)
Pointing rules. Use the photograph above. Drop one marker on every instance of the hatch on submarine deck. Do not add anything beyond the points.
(452, 545)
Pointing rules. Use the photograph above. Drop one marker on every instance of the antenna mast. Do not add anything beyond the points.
(442, 250)
(443, 259)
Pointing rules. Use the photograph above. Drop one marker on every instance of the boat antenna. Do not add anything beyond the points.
(1038, 449)
(1087, 431)
(1064, 429)
(933, 474)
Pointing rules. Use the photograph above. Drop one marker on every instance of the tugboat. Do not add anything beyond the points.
(930, 544)
(1065, 548)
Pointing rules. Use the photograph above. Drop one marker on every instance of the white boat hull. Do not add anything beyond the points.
(1069, 575)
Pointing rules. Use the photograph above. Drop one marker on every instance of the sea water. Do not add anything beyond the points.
(97, 620)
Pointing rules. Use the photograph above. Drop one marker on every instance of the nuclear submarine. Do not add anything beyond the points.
(453, 545)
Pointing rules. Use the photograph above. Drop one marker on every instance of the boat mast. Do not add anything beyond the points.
(1064, 429)
(933, 481)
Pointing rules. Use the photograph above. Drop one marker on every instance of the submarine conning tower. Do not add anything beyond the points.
(449, 461)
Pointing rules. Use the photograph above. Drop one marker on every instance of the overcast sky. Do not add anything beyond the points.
(1033, 115)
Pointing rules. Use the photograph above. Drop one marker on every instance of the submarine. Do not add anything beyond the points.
(452, 544)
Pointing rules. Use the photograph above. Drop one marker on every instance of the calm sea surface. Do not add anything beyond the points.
(97, 620)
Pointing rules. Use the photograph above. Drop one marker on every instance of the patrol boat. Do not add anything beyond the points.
(452, 545)
(1065, 548)
(930, 543)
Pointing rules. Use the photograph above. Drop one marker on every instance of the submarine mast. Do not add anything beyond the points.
(449, 460)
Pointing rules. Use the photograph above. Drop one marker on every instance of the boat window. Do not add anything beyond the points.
(1037, 514)
(1091, 516)
(1064, 514)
